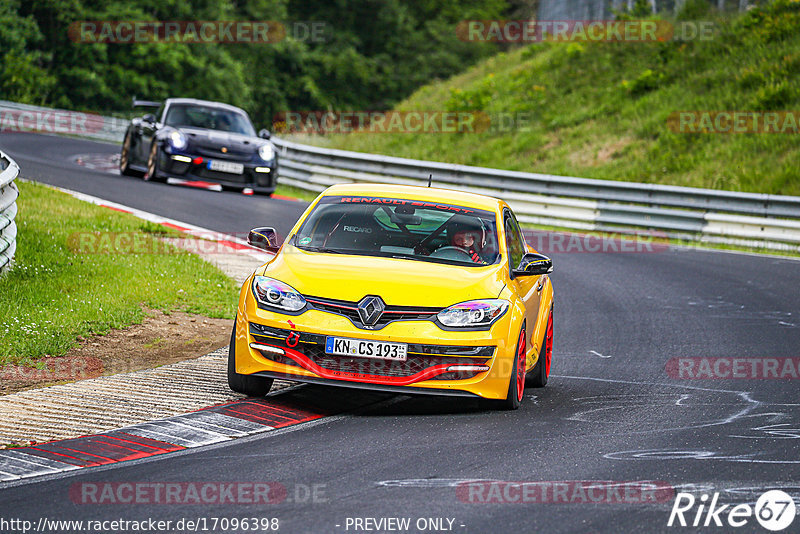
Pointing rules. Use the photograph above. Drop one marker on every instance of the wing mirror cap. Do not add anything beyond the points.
(533, 264)
(265, 238)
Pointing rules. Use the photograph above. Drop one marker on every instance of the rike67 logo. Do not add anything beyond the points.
(774, 510)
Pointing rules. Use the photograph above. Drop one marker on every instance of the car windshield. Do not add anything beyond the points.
(210, 118)
(400, 228)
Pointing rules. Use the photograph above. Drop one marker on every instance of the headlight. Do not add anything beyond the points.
(177, 139)
(475, 313)
(266, 152)
(277, 294)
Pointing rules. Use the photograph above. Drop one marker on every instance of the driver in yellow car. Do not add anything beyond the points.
(465, 240)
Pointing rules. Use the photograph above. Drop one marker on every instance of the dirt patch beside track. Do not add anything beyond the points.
(159, 340)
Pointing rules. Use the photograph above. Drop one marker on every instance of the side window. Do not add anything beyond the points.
(514, 242)
(160, 117)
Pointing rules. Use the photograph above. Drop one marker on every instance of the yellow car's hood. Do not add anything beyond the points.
(399, 282)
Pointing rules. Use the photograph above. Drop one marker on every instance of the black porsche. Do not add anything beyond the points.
(190, 140)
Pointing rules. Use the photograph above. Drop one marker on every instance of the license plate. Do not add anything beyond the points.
(362, 348)
(225, 166)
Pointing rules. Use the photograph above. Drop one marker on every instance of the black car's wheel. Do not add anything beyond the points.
(253, 386)
(125, 157)
(516, 382)
(152, 164)
(541, 371)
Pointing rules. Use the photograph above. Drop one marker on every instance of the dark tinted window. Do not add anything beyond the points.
(400, 228)
(209, 118)
(514, 241)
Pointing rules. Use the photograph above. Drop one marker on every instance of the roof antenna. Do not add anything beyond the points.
(430, 177)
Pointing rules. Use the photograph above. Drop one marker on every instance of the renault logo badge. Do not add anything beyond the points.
(370, 309)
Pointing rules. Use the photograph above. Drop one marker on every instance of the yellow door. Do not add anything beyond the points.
(528, 288)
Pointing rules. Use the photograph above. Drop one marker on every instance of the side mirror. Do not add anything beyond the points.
(149, 118)
(534, 264)
(264, 134)
(264, 238)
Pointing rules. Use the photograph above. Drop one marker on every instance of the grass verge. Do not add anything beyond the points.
(295, 192)
(57, 291)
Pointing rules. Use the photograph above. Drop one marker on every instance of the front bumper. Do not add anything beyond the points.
(293, 348)
(261, 177)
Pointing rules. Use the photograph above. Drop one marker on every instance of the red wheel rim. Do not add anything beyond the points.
(548, 345)
(521, 365)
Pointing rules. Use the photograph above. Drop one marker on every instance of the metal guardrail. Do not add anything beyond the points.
(689, 213)
(8, 210)
(749, 219)
(28, 118)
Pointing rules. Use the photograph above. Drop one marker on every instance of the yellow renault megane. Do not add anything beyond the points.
(397, 288)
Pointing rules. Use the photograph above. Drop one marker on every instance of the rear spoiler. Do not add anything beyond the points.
(145, 103)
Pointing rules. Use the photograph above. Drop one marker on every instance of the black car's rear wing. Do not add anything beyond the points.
(145, 103)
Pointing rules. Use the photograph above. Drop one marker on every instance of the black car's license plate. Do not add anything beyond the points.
(225, 166)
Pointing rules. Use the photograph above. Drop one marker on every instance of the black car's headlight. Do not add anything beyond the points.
(266, 152)
(177, 139)
(276, 294)
(473, 313)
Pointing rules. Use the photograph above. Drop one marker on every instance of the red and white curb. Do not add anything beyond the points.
(216, 424)
(233, 242)
(211, 425)
(208, 186)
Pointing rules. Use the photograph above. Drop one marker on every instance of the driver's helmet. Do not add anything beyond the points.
(466, 239)
(224, 123)
(467, 233)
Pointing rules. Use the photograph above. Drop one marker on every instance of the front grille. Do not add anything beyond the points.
(420, 357)
(249, 177)
(233, 155)
(205, 172)
(391, 313)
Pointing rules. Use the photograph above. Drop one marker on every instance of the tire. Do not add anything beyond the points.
(538, 376)
(125, 157)
(252, 386)
(152, 164)
(516, 382)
